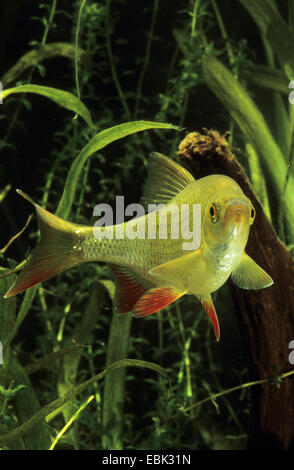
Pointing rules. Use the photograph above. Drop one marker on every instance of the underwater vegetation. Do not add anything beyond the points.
(90, 89)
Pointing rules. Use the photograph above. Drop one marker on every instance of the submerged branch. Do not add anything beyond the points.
(266, 316)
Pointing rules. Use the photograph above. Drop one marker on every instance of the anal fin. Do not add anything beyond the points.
(210, 310)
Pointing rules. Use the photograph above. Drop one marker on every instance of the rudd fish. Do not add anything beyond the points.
(152, 272)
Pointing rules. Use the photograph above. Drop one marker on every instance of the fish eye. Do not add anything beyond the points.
(252, 214)
(213, 213)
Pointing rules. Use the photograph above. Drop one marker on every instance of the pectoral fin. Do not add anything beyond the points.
(156, 299)
(248, 275)
(178, 268)
(210, 310)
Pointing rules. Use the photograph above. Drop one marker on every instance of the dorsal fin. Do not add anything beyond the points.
(130, 286)
(165, 180)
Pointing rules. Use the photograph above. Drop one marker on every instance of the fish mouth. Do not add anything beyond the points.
(236, 220)
(237, 213)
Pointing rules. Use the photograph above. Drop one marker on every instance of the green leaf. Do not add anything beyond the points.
(63, 98)
(257, 179)
(31, 423)
(99, 141)
(252, 123)
(114, 386)
(10, 392)
(69, 364)
(11, 372)
(35, 56)
(266, 77)
(275, 30)
(22, 313)
(7, 309)
(4, 191)
(26, 405)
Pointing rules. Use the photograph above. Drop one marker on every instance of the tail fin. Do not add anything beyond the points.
(55, 253)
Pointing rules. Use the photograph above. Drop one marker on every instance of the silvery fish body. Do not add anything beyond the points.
(192, 238)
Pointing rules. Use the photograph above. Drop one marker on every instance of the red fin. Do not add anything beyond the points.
(210, 310)
(130, 286)
(156, 299)
(54, 254)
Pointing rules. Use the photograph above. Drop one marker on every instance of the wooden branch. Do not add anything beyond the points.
(266, 317)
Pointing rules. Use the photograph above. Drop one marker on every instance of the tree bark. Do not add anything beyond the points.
(266, 317)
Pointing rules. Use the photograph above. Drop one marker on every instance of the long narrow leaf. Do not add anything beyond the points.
(275, 29)
(266, 77)
(37, 55)
(22, 313)
(22, 430)
(26, 406)
(250, 120)
(63, 98)
(257, 179)
(99, 141)
(7, 309)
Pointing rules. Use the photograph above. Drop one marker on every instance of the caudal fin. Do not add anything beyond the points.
(54, 254)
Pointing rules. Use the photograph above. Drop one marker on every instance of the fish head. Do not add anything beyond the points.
(226, 220)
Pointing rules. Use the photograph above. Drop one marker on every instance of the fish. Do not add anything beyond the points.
(152, 272)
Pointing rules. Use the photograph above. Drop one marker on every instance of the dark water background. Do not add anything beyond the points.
(26, 165)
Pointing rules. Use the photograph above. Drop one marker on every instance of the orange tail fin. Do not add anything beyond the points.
(54, 254)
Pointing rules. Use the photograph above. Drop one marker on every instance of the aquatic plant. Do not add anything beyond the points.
(155, 375)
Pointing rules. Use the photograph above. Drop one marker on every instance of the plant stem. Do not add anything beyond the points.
(114, 388)
(77, 48)
(212, 397)
(49, 23)
(28, 425)
(71, 421)
(147, 57)
(231, 410)
(112, 64)
(186, 359)
(224, 32)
